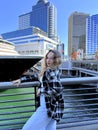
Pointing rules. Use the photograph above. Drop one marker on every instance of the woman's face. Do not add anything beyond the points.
(50, 59)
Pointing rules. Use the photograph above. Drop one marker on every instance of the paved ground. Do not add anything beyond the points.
(87, 125)
(90, 127)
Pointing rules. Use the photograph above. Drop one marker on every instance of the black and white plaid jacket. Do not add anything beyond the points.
(53, 93)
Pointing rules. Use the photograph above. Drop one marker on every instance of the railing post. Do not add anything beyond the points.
(35, 91)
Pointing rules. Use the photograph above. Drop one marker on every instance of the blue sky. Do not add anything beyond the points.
(11, 9)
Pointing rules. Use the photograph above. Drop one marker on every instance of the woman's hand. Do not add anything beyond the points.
(16, 82)
(38, 92)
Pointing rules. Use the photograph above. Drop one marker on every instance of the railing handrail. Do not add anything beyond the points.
(79, 80)
(64, 81)
(10, 85)
(84, 70)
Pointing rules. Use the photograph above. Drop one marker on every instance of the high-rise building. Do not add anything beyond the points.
(43, 16)
(92, 35)
(37, 30)
(77, 32)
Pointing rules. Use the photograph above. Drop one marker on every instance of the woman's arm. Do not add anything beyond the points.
(26, 78)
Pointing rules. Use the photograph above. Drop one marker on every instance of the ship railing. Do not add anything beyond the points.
(17, 104)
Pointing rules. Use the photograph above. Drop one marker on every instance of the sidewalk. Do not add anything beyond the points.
(90, 127)
(86, 125)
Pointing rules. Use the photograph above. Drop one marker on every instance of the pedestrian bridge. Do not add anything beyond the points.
(17, 104)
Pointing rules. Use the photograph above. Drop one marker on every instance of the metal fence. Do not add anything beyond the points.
(17, 104)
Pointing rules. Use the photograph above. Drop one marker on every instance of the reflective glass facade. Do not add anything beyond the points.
(92, 34)
(37, 30)
(43, 16)
(18, 33)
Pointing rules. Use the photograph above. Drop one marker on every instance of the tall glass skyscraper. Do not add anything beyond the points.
(92, 35)
(43, 16)
(37, 30)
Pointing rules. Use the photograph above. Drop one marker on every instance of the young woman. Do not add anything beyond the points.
(51, 106)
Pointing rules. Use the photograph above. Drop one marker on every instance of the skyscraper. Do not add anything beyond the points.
(37, 30)
(43, 16)
(92, 35)
(77, 32)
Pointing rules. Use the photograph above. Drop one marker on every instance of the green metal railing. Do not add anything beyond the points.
(17, 104)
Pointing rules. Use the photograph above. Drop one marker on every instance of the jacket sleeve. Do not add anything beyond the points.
(28, 78)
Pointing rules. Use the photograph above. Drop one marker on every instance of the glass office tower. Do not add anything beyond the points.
(37, 30)
(43, 16)
(92, 35)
